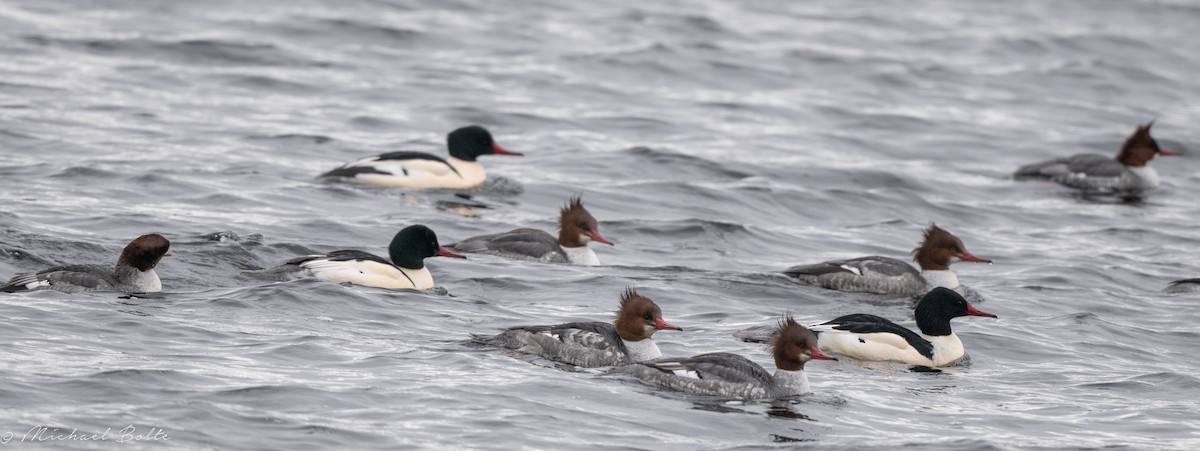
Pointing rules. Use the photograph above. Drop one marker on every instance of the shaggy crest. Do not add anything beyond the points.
(789, 343)
(934, 239)
(629, 296)
(637, 316)
(573, 207)
(575, 223)
(1139, 148)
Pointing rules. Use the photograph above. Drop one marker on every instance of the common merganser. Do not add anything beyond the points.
(593, 344)
(1101, 174)
(1183, 286)
(883, 275)
(134, 272)
(576, 228)
(408, 251)
(423, 170)
(731, 375)
(869, 337)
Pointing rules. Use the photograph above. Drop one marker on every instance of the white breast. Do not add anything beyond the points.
(146, 282)
(946, 349)
(788, 383)
(642, 350)
(1149, 177)
(941, 278)
(582, 255)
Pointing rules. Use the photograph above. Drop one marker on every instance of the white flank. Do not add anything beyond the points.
(871, 347)
(368, 273)
(424, 174)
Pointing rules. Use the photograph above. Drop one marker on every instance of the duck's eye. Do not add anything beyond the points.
(649, 317)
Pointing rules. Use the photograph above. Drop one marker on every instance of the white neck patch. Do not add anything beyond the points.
(582, 255)
(422, 278)
(941, 278)
(788, 383)
(471, 171)
(1149, 177)
(642, 350)
(946, 348)
(146, 281)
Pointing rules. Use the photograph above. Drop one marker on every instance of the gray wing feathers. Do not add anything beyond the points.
(713, 386)
(1092, 165)
(68, 279)
(1044, 169)
(862, 266)
(1095, 165)
(588, 345)
(817, 269)
(723, 366)
(881, 265)
(520, 244)
(872, 274)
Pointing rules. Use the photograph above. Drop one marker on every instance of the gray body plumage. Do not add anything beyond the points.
(584, 344)
(719, 374)
(79, 278)
(873, 274)
(520, 244)
(1092, 172)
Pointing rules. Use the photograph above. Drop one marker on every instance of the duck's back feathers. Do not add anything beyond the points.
(585, 344)
(68, 279)
(716, 366)
(873, 274)
(521, 244)
(858, 266)
(353, 255)
(1089, 165)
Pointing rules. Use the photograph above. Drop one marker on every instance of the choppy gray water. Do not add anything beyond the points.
(717, 142)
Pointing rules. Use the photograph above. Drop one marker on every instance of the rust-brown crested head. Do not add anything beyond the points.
(576, 227)
(939, 248)
(792, 345)
(1139, 148)
(639, 317)
(145, 251)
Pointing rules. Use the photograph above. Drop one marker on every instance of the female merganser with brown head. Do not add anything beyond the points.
(592, 344)
(883, 275)
(576, 228)
(727, 374)
(134, 272)
(1127, 173)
